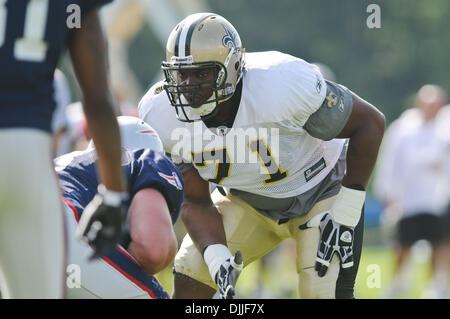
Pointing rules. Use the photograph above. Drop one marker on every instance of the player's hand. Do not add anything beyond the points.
(227, 276)
(334, 238)
(101, 222)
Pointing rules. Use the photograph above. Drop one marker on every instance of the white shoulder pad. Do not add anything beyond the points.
(282, 87)
(307, 88)
(143, 106)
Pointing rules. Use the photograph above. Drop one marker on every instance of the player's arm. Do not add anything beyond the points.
(204, 224)
(345, 115)
(101, 221)
(153, 241)
(365, 130)
(88, 50)
(200, 217)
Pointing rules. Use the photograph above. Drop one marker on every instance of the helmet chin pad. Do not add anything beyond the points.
(206, 108)
(195, 109)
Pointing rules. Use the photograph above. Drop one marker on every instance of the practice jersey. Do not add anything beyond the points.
(33, 34)
(419, 171)
(267, 151)
(143, 168)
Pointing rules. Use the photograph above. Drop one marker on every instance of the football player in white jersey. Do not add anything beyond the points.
(272, 134)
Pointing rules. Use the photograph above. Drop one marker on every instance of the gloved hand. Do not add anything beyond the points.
(334, 238)
(227, 276)
(101, 222)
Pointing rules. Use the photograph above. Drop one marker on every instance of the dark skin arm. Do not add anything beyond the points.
(200, 216)
(365, 129)
(88, 51)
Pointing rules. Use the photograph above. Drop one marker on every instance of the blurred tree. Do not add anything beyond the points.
(145, 57)
(385, 66)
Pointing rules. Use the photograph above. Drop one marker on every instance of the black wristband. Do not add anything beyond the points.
(356, 187)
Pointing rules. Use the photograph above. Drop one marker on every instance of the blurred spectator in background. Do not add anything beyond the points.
(412, 182)
(126, 107)
(60, 122)
(76, 135)
(443, 123)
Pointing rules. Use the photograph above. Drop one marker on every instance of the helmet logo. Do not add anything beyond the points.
(230, 38)
(172, 180)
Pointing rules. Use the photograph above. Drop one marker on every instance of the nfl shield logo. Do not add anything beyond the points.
(318, 85)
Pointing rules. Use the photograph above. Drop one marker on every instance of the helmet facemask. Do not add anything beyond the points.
(198, 100)
(208, 42)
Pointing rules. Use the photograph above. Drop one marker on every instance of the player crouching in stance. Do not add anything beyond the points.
(214, 92)
(149, 243)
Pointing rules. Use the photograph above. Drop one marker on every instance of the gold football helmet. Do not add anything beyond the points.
(208, 43)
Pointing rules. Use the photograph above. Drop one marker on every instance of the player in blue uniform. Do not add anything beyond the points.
(33, 34)
(156, 192)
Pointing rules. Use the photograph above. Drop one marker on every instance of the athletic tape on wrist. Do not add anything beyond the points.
(214, 256)
(111, 198)
(346, 209)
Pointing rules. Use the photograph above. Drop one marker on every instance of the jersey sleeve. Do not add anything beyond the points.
(89, 5)
(152, 170)
(329, 120)
(307, 89)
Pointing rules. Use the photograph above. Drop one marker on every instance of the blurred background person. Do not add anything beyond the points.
(443, 127)
(72, 122)
(411, 181)
(60, 121)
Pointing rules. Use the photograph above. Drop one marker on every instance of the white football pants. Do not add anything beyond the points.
(32, 233)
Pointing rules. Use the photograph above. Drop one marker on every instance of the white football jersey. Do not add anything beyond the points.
(266, 151)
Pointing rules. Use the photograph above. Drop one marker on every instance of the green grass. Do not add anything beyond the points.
(381, 260)
(277, 277)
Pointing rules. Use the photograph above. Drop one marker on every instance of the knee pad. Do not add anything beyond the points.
(189, 262)
(310, 285)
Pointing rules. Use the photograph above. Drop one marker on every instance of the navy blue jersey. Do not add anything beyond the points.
(143, 169)
(33, 34)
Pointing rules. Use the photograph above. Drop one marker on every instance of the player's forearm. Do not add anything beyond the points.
(363, 150)
(203, 223)
(89, 54)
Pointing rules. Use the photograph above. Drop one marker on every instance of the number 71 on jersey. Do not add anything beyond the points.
(223, 161)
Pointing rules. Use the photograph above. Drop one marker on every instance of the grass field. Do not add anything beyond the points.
(278, 279)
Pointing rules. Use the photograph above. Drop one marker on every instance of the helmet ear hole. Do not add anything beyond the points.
(236, 65)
